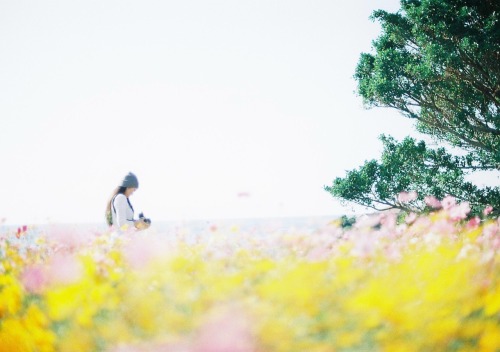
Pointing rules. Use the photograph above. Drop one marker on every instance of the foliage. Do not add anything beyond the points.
(429, 284)
(347, 222)
(411, 165)
(437, 62)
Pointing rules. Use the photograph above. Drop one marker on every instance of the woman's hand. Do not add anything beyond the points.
(141, 224)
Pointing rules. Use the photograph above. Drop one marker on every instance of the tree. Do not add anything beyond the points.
(411, 165)
(437, 62)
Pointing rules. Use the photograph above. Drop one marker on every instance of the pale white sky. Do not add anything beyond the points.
(201, 99)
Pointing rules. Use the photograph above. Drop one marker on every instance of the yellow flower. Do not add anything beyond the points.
(27, 333)
(37, 325)
(14, 337)
(10, 295)
(490, 340)
(492, 301)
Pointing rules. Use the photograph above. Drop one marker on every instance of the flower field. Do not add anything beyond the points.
(430, 283)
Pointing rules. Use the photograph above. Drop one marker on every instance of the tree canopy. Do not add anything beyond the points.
(411, 165)
(437, 62)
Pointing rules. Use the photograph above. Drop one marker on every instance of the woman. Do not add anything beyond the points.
(119, 211)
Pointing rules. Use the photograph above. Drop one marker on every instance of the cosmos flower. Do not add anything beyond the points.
(406, 197)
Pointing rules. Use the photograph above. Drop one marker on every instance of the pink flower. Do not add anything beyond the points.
(487, 210)
(67, 237)
(64, 269)
(491, 230)
(495, 243)
(179, 346)
(443, 227)
(227, 329)
(474, 222)
(140, 250)
(319, 253)
(460, 211)
(33, 278)
(367, 221)
(433, 202)
(448, 202)
(364, 245)
(393, 252)
(420, 226)
(410, 218)
(21, 231)
(406, 197)
(388, 220)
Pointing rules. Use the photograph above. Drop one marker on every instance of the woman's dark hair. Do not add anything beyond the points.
(109, 215)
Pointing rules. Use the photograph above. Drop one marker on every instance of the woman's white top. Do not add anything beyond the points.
(122, 212)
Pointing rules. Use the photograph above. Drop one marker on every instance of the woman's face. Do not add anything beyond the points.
(129, 191)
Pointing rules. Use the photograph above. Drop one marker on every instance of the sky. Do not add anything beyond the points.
(223, 109)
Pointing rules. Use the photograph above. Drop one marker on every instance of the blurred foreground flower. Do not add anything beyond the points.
(406, 197)
(426, 283)
(432, 202)
(487, 210)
